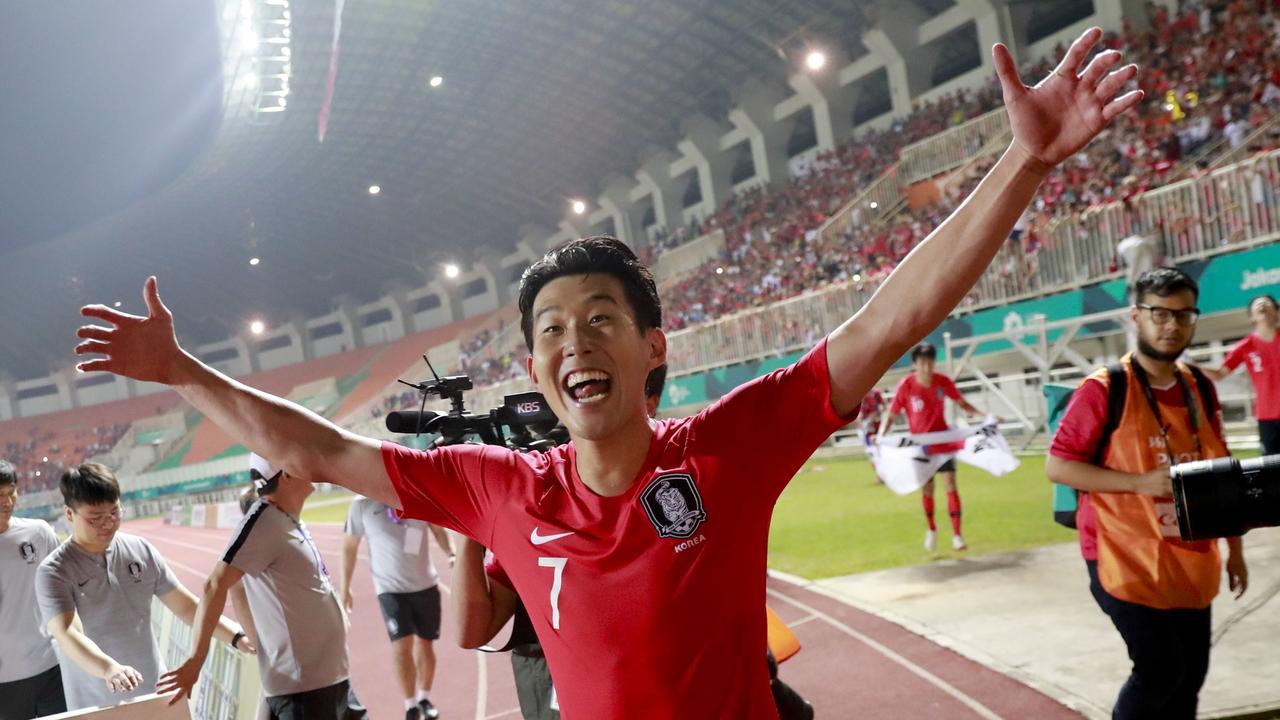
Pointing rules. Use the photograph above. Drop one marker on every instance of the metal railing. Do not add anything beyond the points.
(229, 686)
(1228, 209)
(950, 148)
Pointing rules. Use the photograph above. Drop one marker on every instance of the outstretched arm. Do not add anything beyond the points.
(1050, 122)
(296, 439)
(207, 617)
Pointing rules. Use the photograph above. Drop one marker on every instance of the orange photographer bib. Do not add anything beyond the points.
(1140, 556)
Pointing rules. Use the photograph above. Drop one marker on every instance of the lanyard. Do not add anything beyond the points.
(1192, 410)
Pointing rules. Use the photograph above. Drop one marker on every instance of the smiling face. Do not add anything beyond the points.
(589, 357)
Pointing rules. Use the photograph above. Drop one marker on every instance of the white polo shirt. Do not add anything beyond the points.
(398, 557)
(25, 647)
(111, 593)
(302, 633)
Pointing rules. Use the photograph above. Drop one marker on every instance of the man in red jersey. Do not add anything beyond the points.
(1259, 352)
(640, 545)
(922, 396)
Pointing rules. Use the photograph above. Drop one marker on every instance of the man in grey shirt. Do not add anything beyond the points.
(301, 631)
(406, 582)
(30, 684)
(95, 592)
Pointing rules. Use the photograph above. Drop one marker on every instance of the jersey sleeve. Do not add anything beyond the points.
(49, 538)
(791, 406)
(1081, 427)
(496, 573)
(1238, 353)
(252, 548)
(949, 387)
(53, 593)
(899, 397)
(166, 581)
(453, 486)
(355, 518)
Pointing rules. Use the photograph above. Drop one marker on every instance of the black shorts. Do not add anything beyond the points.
(948, 466)
(415, 613)
(335, 702)
(33, 697)
(1269, 436)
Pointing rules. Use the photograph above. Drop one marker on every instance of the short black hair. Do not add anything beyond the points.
(1164, 281)
(656, 381)
(89, 484)
(584, 256)
(924, 350)
(8, 475)
(1264, 296)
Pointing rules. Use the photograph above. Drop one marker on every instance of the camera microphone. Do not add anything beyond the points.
(409, 421)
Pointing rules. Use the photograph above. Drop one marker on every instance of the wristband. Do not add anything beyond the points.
(235, 641)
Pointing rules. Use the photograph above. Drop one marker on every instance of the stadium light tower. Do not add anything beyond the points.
(257, 327)
(815, 60)
(451, 271)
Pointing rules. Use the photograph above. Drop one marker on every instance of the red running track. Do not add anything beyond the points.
(853, 664)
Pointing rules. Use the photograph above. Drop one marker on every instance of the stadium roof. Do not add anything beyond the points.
(540, 102)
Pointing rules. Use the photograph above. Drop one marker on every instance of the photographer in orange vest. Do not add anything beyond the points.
(1125, 426)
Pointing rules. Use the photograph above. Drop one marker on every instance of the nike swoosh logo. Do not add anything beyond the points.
(537, 539)
(81, 584)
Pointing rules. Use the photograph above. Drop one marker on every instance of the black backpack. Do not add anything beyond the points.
(1117, 387)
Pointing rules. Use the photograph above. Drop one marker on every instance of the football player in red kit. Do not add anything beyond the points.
(639, 547)
(922, 396)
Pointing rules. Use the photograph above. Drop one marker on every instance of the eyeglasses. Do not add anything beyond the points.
(1162, 315)
(97, 521)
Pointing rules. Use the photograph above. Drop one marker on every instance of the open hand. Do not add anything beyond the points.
(122, 678)
(1063, 112)
(142, 348)
(181, 680)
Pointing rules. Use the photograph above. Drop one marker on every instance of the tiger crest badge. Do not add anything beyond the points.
(674, 505)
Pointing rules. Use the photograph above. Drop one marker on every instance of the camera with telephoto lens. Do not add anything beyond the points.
(1226, 497)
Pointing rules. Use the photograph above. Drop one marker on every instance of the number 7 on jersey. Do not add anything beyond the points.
(558, 563)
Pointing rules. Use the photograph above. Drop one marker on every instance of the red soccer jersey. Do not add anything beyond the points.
(1262, 360)
(649, 604)
(925, 406)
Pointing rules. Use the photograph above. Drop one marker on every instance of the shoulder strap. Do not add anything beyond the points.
(1117, 388)
(1208, 393)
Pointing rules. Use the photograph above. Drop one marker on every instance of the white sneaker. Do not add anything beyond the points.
(931, 541)
(957, 543)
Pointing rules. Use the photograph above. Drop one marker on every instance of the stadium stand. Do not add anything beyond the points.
(1163, 171)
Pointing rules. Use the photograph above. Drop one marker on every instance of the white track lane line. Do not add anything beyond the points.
(946, 687)
(482, 685)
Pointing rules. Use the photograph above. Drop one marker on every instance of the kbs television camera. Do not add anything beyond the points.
(1226, 497)
(524, 421)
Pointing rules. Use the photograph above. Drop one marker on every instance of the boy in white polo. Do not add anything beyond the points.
(95, 594)
(30, 684)
(301, 630)
(406, 582)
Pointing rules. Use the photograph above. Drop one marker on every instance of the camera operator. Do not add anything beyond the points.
(1156, 588)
